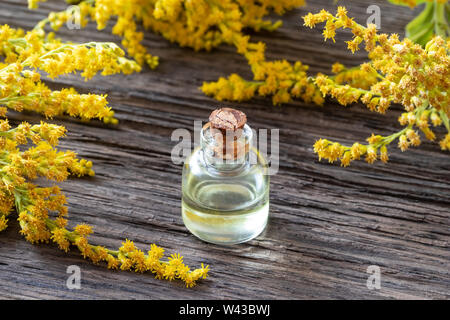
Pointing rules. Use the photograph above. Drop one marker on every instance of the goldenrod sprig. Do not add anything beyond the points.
(21, 87)
(43, 211)
(400, 72)
(409, 74)
(29, 152)
(34, 205)
(377, 147)
(280, 79)
(201, 25)
(41, 160)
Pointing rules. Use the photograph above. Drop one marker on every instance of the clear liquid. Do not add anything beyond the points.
(242, 216)
(225, 204)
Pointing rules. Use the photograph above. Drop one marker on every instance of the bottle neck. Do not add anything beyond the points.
(226, 151)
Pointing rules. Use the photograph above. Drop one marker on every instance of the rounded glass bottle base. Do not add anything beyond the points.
(225, 228)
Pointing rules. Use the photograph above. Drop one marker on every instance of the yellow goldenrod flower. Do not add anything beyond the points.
(279, 79)
(22, 88)
(399, 71)
(29, 152)
(3, 223)
(196, 24)
(203, 25)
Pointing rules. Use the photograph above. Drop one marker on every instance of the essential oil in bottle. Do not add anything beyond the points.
(225, 183)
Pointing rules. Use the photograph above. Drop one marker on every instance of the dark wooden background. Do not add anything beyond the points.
(327, 224)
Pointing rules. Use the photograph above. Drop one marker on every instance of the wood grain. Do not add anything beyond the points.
(327, 224)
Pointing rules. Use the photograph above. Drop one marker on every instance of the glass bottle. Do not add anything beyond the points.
(225, 184)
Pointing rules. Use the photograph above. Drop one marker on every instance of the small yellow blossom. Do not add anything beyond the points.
(3, 223)
(83, 230)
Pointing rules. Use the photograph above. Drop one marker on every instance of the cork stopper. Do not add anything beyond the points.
(226, 128)
(227, 119)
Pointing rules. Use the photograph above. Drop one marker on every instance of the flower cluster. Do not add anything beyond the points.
(432, 21)
(203, 25)
(21, 85)
(28, 152)
(399, 72)
(42, 211)
(200, 24)
(20, 165)
(356, 77)
(279, 79)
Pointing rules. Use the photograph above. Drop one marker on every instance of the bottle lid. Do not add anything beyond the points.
(228, 130)
(227, 119)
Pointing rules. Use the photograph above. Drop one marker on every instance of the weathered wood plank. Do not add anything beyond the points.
(327, 223)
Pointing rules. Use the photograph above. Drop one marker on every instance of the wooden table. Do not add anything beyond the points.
(327, 224)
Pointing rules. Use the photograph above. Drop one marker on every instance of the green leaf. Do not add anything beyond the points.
(397, 2)
(432, 21)
(425, 17)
